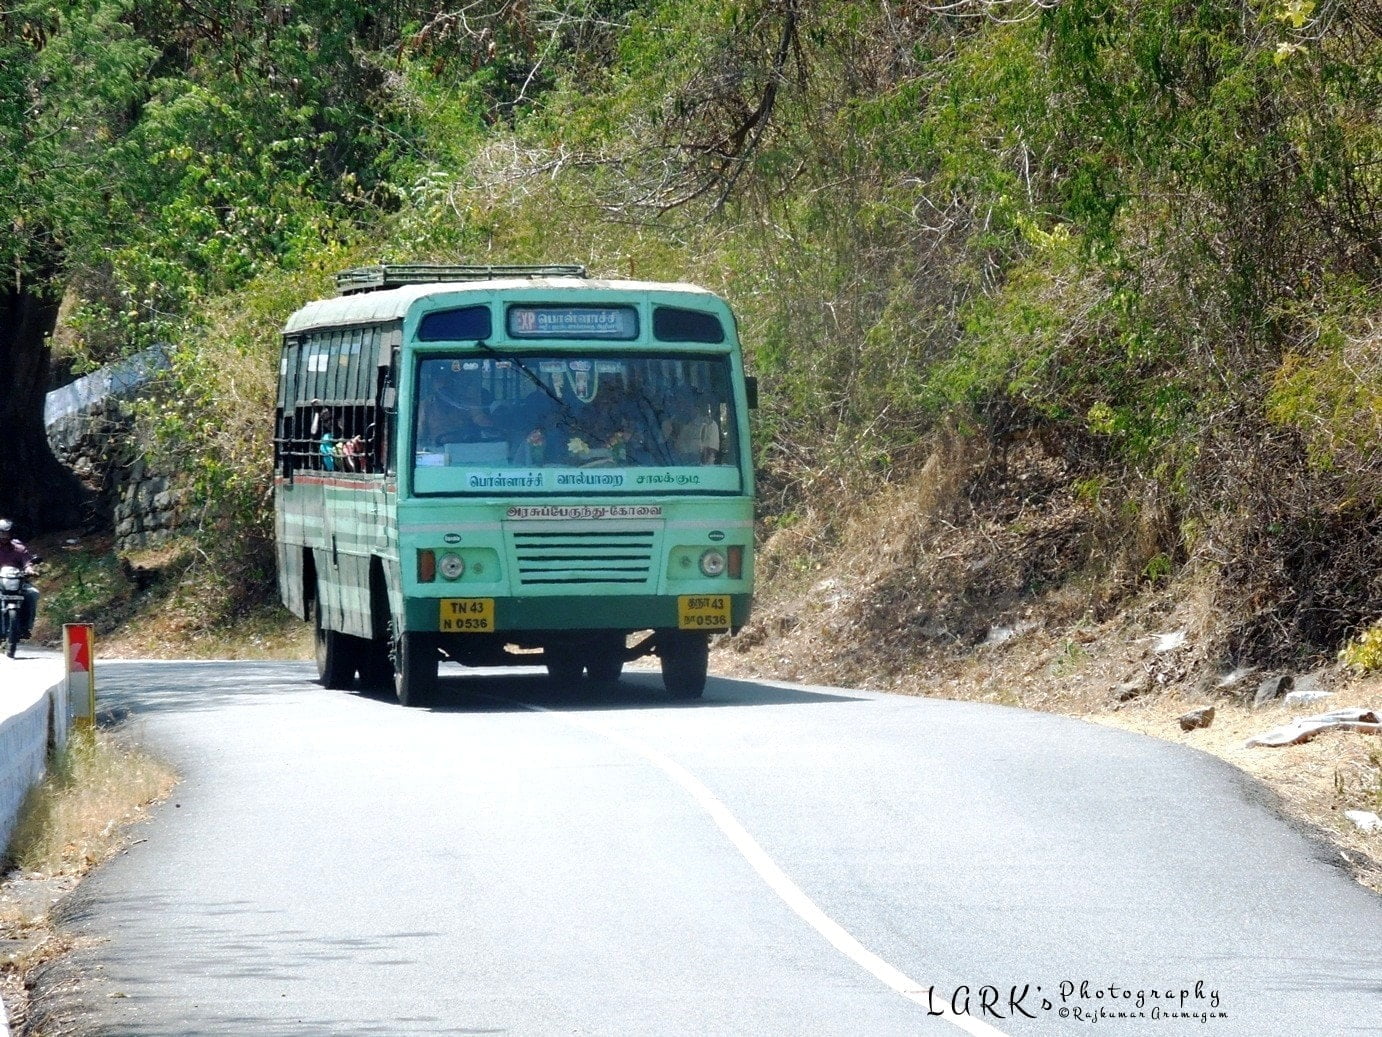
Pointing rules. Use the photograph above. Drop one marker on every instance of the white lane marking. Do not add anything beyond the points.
(779, 882)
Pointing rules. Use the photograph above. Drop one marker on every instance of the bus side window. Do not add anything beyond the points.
(370, 449)
(354, 453)
(304, 451)
(333, 438)
(329, 435)
(283, 444)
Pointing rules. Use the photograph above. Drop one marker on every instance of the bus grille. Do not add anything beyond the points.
(587, 557)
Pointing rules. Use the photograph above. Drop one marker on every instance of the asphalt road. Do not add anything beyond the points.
(771, 860)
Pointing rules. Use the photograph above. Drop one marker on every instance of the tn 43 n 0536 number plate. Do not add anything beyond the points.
(466, 616)
(703, 612)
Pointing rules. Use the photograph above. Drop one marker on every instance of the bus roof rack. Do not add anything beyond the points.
(393, 275)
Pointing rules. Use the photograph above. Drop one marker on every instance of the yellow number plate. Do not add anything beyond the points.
(703, 612)
(467, 616)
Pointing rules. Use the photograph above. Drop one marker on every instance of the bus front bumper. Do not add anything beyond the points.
(577, 612)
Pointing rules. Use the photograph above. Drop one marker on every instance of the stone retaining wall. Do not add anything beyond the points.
(133, 496)
(150, 509)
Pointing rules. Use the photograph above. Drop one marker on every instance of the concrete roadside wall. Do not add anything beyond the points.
(33, 715)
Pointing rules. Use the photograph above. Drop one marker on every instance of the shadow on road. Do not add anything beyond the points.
(125, 688)
(491, 692)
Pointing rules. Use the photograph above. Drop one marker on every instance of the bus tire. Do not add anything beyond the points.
(338, 655)
(685, 662)
(415, 670)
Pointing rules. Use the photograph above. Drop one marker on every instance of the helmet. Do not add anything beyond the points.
(6, 527)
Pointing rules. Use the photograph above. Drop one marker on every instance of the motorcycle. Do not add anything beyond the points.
(12, 585)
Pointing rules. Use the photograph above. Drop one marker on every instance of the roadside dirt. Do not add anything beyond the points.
(28, 937)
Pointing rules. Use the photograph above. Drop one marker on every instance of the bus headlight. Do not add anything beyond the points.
(713, 562)
(452, 566)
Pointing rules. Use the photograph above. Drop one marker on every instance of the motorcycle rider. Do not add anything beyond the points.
(13, 552)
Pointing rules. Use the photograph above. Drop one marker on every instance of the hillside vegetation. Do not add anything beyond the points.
(1096, 280)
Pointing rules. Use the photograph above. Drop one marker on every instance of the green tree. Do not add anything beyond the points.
(69, 74)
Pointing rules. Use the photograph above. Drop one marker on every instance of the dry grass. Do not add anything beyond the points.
(271, 635)
(76, 817)
(164, 603)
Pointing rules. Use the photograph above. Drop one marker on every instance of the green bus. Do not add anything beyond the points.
(512, 466)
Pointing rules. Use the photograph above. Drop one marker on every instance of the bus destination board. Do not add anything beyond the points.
(578, 322)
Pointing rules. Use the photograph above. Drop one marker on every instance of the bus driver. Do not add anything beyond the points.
(454, 406)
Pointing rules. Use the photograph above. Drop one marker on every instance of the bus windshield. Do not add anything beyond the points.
(582, 421)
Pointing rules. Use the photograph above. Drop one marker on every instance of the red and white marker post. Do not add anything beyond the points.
(79, 653)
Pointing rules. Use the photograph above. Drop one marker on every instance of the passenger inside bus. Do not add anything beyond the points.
(604, 430)
(352, 454)
(454, 407)
(328, 446)
(692, 432)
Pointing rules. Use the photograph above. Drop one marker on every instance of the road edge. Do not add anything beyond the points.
(30, 721)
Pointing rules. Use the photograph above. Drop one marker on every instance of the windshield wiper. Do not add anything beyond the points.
(536, 379)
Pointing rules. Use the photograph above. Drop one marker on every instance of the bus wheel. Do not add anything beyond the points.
(685, 659)
(337, 655)
(414, 670)
(564, 665)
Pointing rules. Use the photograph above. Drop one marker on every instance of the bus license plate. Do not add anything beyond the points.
(467, 616)
(703, 612)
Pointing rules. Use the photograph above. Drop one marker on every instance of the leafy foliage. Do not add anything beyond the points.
(1148, 231)
(1364, 652)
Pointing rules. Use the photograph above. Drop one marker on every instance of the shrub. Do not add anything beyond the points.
(1364, 652)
